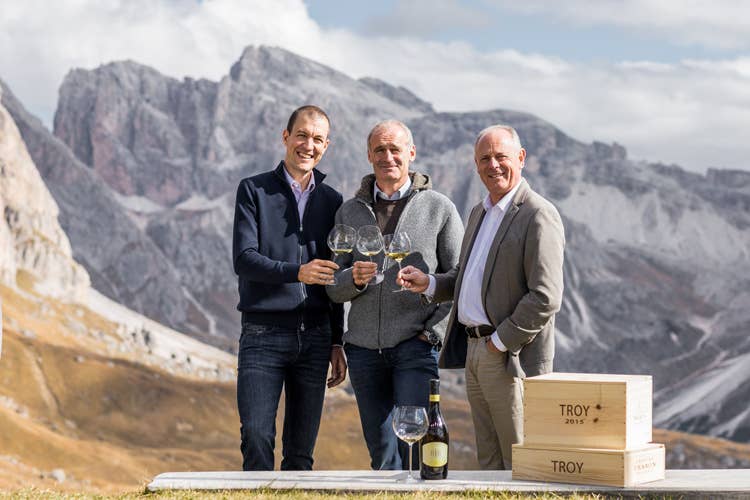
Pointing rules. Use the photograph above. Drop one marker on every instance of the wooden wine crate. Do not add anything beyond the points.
(586, 410)
(589, 465)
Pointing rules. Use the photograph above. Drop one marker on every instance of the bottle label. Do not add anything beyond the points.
(434, 398)
(435, 454)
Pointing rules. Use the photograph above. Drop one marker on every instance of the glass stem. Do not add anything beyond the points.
(410, 476)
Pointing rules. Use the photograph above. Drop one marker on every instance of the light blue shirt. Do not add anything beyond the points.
(299, 195)
(402, 192)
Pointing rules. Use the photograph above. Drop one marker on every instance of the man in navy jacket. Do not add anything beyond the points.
(290, 328)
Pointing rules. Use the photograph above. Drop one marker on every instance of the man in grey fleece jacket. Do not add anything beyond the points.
(393, 339)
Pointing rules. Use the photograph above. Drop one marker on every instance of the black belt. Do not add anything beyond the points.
(480, 331)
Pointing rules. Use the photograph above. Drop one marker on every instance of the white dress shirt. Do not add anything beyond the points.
(470, 308)
(299, 195)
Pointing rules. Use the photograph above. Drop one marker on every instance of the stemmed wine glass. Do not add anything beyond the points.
(341, 240)
(397, 247)
(410, 425)
(370, 242)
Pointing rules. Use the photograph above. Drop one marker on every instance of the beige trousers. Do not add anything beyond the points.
(496, 401)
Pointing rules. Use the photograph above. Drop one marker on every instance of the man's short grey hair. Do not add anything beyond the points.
(506, 128)
(389, 123)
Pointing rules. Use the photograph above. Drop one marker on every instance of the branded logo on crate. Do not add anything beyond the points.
(567, 467)
(646, 463)
(575, 413)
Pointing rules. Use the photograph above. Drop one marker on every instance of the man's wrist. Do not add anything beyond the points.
(431, 286)
(495, 339)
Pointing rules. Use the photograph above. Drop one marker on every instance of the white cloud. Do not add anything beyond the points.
(40, 41)
(693, 113)
(720, 24)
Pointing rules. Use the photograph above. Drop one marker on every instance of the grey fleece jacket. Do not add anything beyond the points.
(379, 318)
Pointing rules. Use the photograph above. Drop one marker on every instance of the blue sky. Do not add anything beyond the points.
(491, 26)
(668, 79)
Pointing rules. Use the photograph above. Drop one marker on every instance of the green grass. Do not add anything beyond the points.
(312, 495)
(266, 494)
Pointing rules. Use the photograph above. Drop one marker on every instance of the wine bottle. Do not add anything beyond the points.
(434, 445)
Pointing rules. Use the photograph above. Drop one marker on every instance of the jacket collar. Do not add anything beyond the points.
(317, 174)
(522, 193)
(419, 182)
(504, 202)
(519, 194)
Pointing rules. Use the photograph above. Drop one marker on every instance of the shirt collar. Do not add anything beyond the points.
(504, 202)
(401, 193)
(296, 185)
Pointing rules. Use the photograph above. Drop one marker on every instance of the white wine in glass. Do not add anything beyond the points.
(341, 241)
(410, 425)
(370, 243)
(397, 247)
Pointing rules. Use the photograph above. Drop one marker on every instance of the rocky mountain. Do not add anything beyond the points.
(91, 394)
(122, 261)
(657, 258)
(37, 260)
(31, 240)
(97, 398)
(165, 156)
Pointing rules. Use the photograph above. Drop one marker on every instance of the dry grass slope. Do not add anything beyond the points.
(111, 422)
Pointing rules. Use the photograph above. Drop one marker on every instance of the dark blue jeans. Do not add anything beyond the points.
(269, 358)
(397, 376)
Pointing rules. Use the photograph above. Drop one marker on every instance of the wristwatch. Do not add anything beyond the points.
(432, 337)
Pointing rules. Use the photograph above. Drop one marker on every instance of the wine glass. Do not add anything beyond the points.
(410, 425)
(370, 242)
(397, 247)
(341, 241)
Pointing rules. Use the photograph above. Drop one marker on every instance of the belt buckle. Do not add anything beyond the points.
(472, 331)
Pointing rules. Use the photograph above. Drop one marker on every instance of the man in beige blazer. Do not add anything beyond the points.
(506, 290)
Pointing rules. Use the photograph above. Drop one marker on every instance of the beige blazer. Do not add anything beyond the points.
(522, 286)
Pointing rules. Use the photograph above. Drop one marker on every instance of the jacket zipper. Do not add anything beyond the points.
(301, 233)
(395, 230)
(299, 247)
(380, 291)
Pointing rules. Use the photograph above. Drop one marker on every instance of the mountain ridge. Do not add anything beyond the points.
(657, 259)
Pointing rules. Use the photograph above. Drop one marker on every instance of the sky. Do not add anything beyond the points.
(667, 79)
